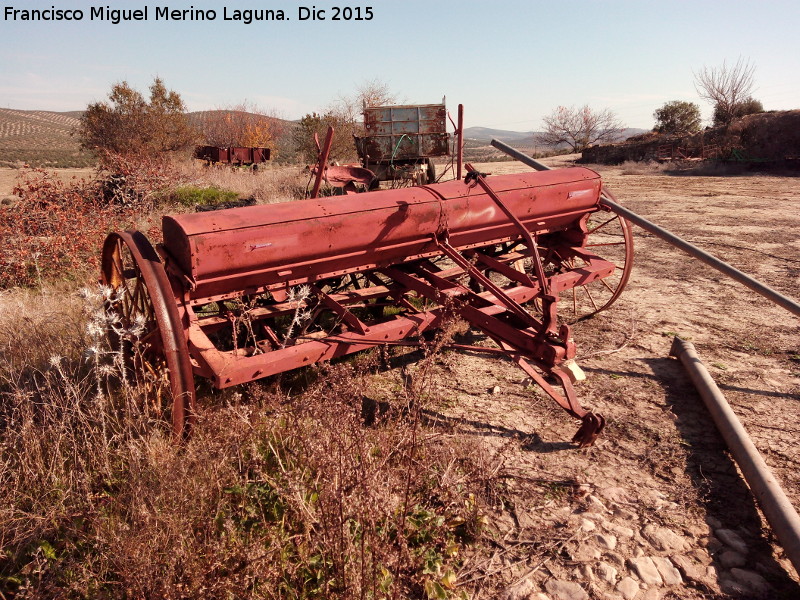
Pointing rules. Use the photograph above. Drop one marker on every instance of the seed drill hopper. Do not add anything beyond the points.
(244, 293)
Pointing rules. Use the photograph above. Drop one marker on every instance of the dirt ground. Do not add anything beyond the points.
(656, 509)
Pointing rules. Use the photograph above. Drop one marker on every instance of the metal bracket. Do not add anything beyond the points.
(352, 321)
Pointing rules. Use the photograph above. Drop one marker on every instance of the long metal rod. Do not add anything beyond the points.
(705, 257)
(672, 239)
(460, 138)
(777, 509)
(523, 158)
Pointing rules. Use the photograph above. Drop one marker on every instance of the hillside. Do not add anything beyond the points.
(478, 142)
(486, 134)
(40, 137)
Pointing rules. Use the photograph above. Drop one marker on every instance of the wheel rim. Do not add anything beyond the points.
(148, 331)
(609, 236)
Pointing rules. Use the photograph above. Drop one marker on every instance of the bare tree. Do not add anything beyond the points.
(349, 109)
(725, 87)
(579, 128)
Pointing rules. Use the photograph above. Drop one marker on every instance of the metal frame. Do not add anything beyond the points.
(451, 248)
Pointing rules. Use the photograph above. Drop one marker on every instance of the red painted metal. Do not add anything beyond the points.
(143, 299)
(233, 155)
(276, 246)
(460, 138)
(338, 176)
(264, 289)
(322, 160)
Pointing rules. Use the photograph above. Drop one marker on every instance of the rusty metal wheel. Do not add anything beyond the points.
(610, 237)
(148, 330)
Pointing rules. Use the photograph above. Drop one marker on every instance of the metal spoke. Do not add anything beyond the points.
(588, 293)
(591, 231)
(608, 287)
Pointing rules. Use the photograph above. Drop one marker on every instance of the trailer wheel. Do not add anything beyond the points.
(147, 331)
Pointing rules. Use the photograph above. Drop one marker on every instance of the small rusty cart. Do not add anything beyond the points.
(400, 141)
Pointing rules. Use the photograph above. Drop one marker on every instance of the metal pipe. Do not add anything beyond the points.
(460, 134)
(672, 239)
(704, 256)
(513, 152)
(777, 509)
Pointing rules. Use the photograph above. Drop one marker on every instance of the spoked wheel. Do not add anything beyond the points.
(609, 236)
(148, 332)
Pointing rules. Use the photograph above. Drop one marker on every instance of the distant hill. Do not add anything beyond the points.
(200, 116)
(41, 138)
(478, 148)
(486, 134)
(44, 138)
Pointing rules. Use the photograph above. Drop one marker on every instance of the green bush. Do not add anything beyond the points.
(190, 195)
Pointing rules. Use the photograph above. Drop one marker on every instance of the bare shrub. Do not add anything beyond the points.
(141, 180)
(579, 128)
(727, 88)
(54, 231)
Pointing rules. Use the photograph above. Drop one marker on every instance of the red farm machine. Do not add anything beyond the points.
(240, 294)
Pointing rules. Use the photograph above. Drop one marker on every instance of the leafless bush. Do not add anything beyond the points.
(579, 128)
(56, 229)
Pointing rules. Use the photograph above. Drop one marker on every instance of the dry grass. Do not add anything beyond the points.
(269, 184)
(278, 495)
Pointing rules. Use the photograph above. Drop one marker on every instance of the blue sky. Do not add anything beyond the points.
(509, 62)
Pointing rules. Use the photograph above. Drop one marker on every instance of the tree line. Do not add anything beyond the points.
(728, 88)
(129, 124)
